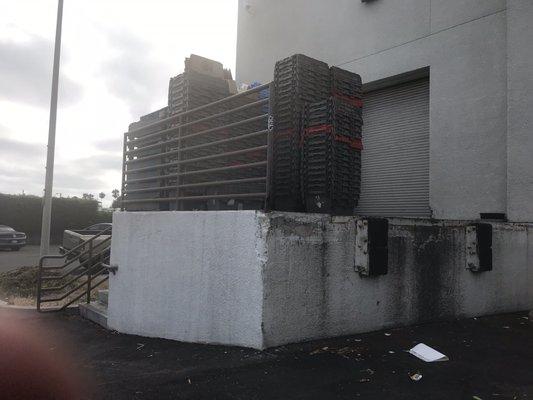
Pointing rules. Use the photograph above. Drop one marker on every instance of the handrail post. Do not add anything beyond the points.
(89, 272)
(39, 283)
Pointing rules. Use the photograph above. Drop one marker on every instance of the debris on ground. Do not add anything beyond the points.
(368, 371)
(343, 352)
(427, 354)
(318, 351)
(415, 376)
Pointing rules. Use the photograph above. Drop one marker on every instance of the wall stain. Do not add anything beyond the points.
(432, 250)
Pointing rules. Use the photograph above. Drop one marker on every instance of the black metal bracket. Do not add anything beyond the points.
(113, 268)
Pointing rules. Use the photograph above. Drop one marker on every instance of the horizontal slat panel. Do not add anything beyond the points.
(395, 159)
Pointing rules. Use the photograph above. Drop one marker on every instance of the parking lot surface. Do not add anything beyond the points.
(26, 257)
(489, 358)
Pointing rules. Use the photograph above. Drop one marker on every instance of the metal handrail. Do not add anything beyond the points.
(56, 288)
(199, 146)
(176, 117)
(95, 269)
(83, 294)
(78, 256)
(66, 274)
(197, 159)
(193, 135)
(196, 122)
(59, 256)
(156, 155)
(205, 197)
(200, 184)
(201, 171)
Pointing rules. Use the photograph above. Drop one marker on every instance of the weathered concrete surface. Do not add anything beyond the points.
(312, 291)
(261, 280)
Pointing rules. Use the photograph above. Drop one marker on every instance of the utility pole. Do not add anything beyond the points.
(49, 180)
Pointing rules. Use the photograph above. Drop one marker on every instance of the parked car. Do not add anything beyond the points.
(11, 239)
(73, 238)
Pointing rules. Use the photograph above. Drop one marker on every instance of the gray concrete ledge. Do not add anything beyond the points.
(259, 280)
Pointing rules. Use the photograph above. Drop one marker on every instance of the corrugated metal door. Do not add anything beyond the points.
(395, 160)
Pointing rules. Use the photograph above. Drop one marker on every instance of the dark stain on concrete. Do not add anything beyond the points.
(324, 287)
(397, 268)
(432, 253)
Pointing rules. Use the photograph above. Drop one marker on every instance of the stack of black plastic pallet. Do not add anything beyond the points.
(188, 91)
(331, 142)
(298, 80)
(193, 89)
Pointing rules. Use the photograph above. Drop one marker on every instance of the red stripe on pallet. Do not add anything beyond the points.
(354, 101)
(355, 143)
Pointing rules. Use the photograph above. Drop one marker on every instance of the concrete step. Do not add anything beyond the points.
(94, 312)
(103, 295)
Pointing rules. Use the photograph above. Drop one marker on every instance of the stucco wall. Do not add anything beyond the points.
(520, 102)
(343, 31)
(260, 280)
(189, 276)
(465, 45)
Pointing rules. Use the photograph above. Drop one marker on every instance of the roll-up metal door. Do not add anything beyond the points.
(395, 159)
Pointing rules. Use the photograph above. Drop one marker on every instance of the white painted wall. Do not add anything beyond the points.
(520, 109)
(189, 276)
(465, 43)
(260, 280)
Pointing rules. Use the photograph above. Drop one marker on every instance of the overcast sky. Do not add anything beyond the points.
(117, 57)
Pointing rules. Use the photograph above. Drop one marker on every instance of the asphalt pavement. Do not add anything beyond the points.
(489, 358)
(26, 257)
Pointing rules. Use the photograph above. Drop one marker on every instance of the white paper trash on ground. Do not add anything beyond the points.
(427, 354)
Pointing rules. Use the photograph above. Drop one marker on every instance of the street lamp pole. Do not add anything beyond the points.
(49, 180)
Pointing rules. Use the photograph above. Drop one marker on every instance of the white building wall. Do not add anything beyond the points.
(520, 109)
(463, 42)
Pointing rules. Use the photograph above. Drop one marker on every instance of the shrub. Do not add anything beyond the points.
(24, 213)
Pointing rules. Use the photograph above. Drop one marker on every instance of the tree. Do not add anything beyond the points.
(87, 196)
(115, 193)
(101, 195)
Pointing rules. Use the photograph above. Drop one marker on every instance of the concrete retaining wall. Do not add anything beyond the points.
(311, 289)
(189, 276)
(260, 280)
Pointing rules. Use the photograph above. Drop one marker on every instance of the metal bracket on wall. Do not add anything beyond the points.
(371, 246)
(361, 247)
(478, 251)
(113, 268)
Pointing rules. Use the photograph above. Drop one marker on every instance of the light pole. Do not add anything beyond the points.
(49, 180)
